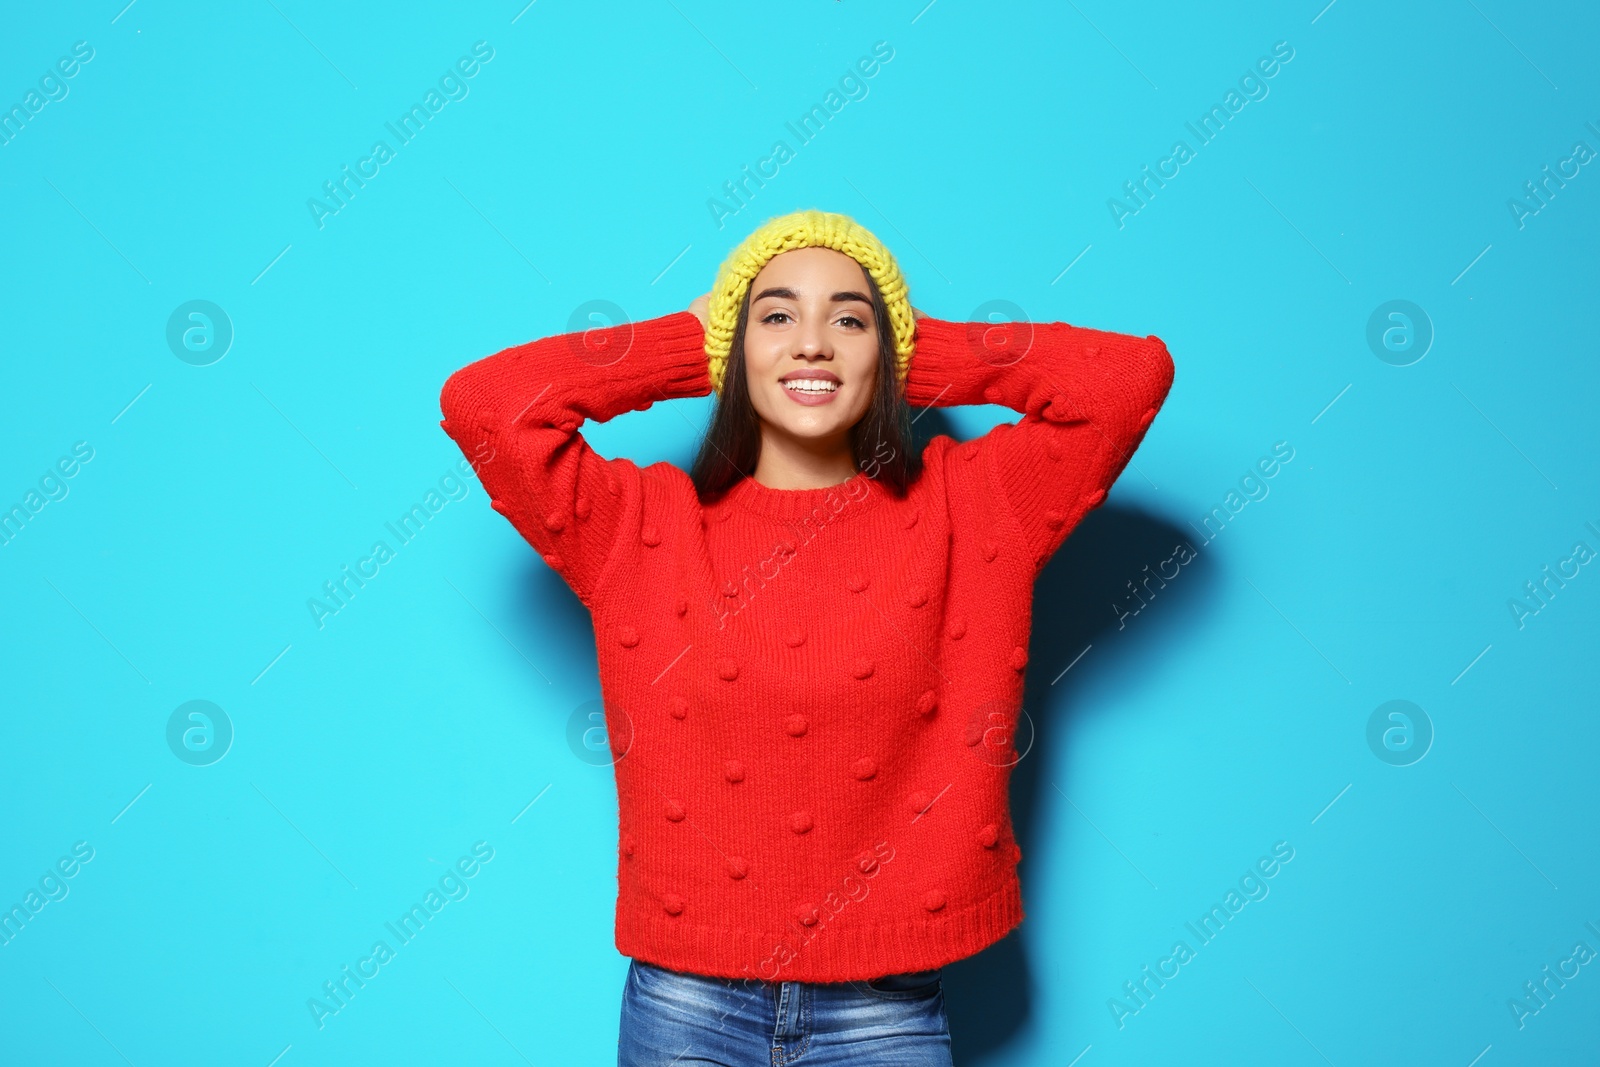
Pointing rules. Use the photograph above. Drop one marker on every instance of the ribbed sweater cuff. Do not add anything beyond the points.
(665, 360)
(945, 371)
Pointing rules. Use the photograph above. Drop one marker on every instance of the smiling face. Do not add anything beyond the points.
(811, 345)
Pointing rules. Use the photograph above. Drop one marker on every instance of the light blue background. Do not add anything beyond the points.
(432, 711)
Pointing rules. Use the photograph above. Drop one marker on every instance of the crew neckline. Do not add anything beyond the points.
(850, 497)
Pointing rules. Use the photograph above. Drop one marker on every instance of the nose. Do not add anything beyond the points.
(813, 340)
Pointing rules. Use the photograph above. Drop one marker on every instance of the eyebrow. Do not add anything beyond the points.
(843, 296)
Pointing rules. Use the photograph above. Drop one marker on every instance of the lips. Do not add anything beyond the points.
(810, 388)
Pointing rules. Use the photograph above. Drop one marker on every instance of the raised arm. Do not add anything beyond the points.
(1086, 398)
(515, 415)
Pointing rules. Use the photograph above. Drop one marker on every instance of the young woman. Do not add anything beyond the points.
(811, 647)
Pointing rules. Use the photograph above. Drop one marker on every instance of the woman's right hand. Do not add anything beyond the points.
(701, 305)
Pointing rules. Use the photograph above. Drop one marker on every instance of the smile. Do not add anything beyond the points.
(810, 385)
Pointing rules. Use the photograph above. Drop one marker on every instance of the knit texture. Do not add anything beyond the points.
(810, 693)
(804, 229)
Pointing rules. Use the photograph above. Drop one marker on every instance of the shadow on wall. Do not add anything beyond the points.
(1081, 599)
(555, 630)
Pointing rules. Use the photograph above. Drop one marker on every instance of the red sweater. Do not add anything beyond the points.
(810, 692)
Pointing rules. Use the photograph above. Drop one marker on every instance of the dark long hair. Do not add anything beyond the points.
(880, 441)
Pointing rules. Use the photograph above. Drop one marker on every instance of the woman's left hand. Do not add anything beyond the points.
(700, 306)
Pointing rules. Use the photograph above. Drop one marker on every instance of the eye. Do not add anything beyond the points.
(774, 314)
(852, 318)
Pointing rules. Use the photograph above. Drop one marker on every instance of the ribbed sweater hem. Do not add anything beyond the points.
(835, 950)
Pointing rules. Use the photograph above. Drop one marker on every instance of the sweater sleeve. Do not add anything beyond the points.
(1086, 398)
(515, 415)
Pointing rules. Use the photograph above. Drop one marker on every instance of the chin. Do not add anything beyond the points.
(800, 422)
(812, 431)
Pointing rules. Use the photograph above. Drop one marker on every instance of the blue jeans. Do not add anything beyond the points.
(677, 1019)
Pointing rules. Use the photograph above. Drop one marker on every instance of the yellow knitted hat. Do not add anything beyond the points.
(803, 229)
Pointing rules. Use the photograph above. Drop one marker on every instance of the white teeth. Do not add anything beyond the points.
(810, 385)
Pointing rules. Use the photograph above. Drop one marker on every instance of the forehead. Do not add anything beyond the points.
(810, 269)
